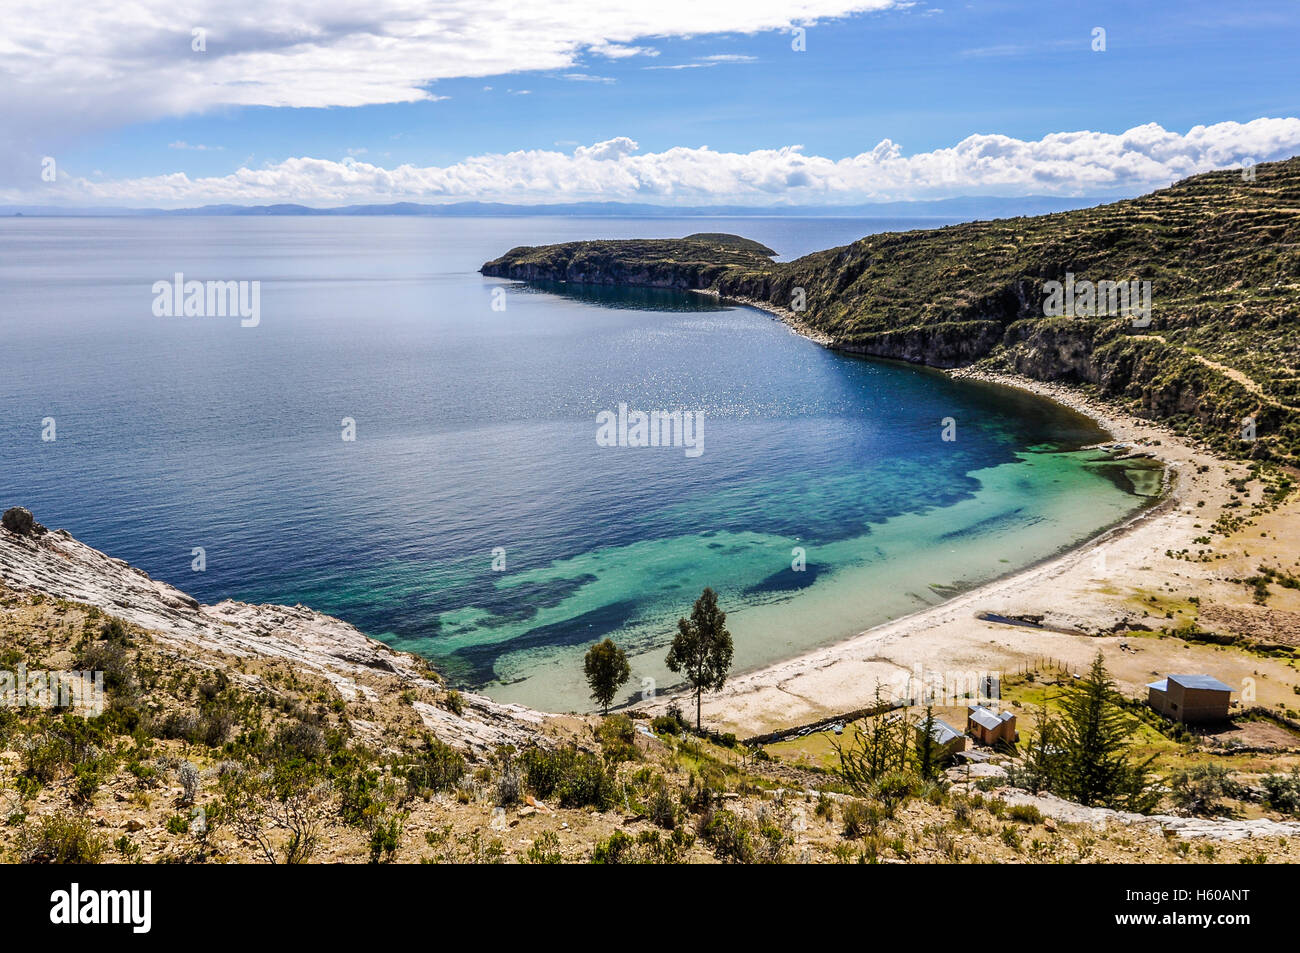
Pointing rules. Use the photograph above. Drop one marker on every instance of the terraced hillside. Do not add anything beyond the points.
(1222, 254)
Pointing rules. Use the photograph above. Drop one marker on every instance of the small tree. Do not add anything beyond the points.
(607, 671)
(1043, 756)
(927, 748)
(1096, 766)
(702, 648)
(881, 743)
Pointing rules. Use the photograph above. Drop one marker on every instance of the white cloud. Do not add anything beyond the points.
(705, 62)
(1063, 163)
(615, 51)
(195, 147)
(110, 62)
(615, 148)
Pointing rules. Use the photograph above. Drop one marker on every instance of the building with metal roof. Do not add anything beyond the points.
(990, 727)
(1190, 698)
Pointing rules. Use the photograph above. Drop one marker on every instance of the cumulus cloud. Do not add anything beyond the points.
(1063, 163)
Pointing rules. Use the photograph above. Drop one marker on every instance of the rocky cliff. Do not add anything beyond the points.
(217, 637)
(1222, 342)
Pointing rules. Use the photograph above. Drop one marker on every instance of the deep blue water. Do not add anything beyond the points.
(475, 430)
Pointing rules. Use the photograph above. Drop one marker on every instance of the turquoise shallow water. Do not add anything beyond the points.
(476, 435)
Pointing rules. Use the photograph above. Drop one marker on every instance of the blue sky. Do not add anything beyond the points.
(925, 77)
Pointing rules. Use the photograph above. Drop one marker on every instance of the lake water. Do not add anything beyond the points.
(475, 434)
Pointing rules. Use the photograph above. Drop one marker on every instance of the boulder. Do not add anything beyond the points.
(19, 520)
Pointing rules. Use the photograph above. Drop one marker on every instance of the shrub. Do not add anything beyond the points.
(892, 789)
(189, 777)
(1199, 789)
(575, 778)
(617, 737)
(1025, 814)
(730, 836)
(114, 661)
(649, 847)
(861, 818)
(385, 838)
(544, 850)
(114, 631)
(439, 769)
(666, 725)
(1282, 791)
(510, 786)
(616, 849)
(661, 807)
(59, 839)
(86, 781)
(357, 796)
(299, 740)
(287, 797)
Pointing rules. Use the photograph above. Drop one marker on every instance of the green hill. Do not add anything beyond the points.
(1222, 255)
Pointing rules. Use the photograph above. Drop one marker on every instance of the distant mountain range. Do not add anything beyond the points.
(966, 208)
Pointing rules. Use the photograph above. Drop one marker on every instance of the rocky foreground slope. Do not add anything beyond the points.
(1222, 253)
(54, 564)
(240, 733)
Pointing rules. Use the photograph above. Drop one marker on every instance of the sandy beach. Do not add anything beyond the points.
(1131, 577)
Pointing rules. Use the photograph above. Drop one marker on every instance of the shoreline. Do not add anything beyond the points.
(787, 317)
(1080, 615)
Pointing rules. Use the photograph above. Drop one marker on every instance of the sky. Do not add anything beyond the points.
(673, 102)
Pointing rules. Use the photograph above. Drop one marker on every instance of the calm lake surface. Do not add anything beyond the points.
(475, 432)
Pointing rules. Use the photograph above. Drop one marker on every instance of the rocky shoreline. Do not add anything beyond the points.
(56, 565)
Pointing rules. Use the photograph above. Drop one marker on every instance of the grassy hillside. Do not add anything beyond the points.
(245, 760)
(1222, 255)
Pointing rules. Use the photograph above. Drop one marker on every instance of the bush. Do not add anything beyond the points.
(86, 781)
(617, 737)
(1198, 790)
(357, 797)
(59, 839)
(440, 769)
(1282, 792)
(649, 847)
(892, 789)
(1025, 814)
(616, 849)
(189, 777)
(730, 836)
(666, 725)
(661, 807)
(299, 740)
(510, 786)
(114, 631)
(544, 850)
(861, 818)
(574, 778)
(385, 838)
(114, 661)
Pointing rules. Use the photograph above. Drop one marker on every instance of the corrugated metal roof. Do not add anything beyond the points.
(987, 718)
(1200, 681)
(942, 732)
